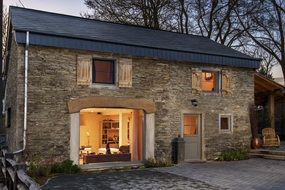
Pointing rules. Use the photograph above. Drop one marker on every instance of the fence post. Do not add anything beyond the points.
(16, 168)
(9, 180)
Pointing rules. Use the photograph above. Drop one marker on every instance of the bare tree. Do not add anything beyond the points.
(241, 24)
(217, 20)
(267, 63)
(264, 24)
(214, 19)
(139, 12)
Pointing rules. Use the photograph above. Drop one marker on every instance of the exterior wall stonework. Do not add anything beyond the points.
(14, 96)
(52, 83)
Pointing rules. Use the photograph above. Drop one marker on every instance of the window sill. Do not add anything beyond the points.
(210, 93)
(101, 85)
(225, 132)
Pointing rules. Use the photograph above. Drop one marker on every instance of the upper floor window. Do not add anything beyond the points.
(103, 71)
(210, 81)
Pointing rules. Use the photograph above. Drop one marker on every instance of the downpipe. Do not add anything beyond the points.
(25, 92)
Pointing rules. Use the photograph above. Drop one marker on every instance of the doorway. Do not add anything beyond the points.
(191, 129)
(111, 135)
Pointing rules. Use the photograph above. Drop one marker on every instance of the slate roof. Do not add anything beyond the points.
(65, 31)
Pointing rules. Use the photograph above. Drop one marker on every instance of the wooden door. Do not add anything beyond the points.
(192, 136)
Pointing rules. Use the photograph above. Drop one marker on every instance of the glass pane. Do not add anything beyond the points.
(209, 80)
(103, 72)
(190, 123)
(224, 123)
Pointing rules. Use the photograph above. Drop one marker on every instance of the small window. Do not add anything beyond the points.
(210, 81)
(8, 118)
(103, 71)
(225, 123)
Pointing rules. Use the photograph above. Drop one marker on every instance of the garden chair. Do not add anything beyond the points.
(270, 139)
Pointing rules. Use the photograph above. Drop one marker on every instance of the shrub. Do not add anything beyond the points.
(37, 171)
(40, 172)
(151, 163)
(233, 154)
(66, 166)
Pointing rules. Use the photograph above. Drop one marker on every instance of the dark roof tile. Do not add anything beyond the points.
(80, 28)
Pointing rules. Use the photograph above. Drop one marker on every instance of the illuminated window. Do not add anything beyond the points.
(103, 71)
(190, 124)
(210, 81)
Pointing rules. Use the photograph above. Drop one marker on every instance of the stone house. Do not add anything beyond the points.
(95, 91)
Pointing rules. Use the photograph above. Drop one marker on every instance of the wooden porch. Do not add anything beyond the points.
(277, 153)
(270, 100)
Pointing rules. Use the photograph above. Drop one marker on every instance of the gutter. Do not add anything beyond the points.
(25, 92)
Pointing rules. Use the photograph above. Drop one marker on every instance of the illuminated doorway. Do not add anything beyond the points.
(111, 135)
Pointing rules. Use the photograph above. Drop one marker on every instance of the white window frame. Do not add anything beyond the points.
(230, 122)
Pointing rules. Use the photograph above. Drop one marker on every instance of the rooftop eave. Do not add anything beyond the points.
(103, 46)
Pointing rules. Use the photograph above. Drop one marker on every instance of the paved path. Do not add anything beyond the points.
(258, 174)
(135, 179)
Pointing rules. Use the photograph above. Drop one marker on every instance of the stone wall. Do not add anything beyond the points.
(14, 97)
(52, 83)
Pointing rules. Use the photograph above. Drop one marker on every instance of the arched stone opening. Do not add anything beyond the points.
(75, 105)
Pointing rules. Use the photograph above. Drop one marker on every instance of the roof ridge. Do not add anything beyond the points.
(104, 21)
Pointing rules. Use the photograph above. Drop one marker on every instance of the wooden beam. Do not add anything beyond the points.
(271, 106)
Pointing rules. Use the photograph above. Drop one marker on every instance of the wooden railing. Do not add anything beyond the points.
(14, 176)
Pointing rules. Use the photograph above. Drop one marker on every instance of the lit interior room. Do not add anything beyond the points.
(111, 135)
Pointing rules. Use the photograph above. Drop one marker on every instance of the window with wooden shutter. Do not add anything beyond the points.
(226, 88)
(84, 70)
(125, 73)
(196, 80)
(103, 71)
(210, 81)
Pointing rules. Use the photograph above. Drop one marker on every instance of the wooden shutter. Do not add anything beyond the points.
(84, 70)
(196, 80)
(226, 87)
(125, 73)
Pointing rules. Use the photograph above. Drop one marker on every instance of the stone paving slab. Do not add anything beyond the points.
(136, 179)
(252, 174)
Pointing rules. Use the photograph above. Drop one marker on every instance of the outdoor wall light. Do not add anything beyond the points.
(194, 102)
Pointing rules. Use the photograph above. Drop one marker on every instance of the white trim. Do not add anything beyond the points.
(149, 135)
(74, 137)
(231, 123)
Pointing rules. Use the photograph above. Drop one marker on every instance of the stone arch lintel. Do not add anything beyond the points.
(75, 105)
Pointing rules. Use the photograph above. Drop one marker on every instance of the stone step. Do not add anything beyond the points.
(267, 156)
(110, 166)
(271, 152)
